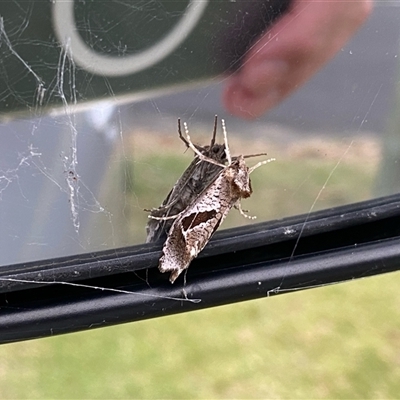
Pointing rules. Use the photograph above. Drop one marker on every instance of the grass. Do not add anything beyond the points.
(313, 176)
(336, 342)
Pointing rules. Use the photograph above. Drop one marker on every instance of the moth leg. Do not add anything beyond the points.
(159, 210)
(197, 152)
(260, 163)
(163, 218)
(238, 207)
(162, 208)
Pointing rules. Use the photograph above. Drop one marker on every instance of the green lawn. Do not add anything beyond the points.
(336, 342)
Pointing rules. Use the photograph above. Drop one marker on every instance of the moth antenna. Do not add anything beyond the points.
(180, 134)
(227, 152)
(260, 163)
(196, 151)
(214, 132)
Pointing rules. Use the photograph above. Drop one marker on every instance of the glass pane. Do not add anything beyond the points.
(76, 175)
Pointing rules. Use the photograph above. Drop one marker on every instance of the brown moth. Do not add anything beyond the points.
(194, 226)
(194, 179)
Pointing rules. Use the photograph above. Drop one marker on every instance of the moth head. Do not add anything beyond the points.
(217, 152)
(241, 178)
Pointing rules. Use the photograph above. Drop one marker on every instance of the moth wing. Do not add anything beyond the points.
(192, 230)
(158, 229)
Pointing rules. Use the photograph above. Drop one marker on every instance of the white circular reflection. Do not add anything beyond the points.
(100, 64)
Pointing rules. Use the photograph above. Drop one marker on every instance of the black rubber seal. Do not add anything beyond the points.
(259, 260)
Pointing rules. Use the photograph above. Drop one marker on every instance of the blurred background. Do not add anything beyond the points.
(85, 151)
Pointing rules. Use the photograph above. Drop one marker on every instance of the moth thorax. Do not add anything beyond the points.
(238, 175)
(217, 152)
(243, 184)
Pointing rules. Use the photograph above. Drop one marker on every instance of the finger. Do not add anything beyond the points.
(297, 46)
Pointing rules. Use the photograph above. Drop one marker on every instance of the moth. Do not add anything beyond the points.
(194, 226)
(194, 179)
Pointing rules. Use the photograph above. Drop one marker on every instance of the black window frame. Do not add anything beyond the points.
(255, 261)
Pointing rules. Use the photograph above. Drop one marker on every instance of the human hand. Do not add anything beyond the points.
(291, 52)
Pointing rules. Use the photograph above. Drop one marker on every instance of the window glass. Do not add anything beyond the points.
(88, 135)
